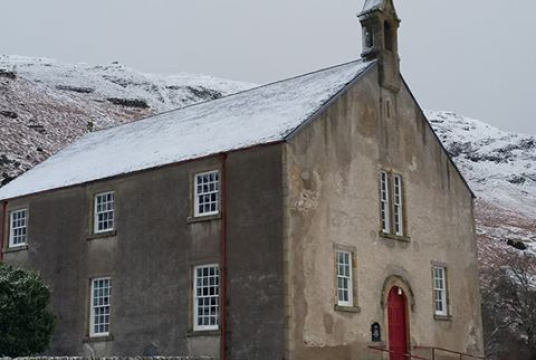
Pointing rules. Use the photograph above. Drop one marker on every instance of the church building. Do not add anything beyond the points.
(315, 218)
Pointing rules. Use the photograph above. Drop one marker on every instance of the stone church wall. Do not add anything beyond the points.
(332, 203)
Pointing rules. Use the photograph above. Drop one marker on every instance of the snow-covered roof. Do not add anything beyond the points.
(261, 115)
(377, 5)
(372, 5)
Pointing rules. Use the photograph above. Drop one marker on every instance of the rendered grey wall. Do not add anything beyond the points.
(151, 256)
(255, 252)
(149, 259)
(333, 168)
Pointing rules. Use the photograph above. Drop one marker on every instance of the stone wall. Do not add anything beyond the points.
(333, 203)
(107, 358)
(151, 255)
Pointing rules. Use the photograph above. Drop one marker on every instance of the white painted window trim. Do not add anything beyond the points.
(197, 194)
(439, 274)
(398, 204)
(347, 275)
(13, 228)
(196, 298)
(96, 213)
(92, 307)
(385, 202)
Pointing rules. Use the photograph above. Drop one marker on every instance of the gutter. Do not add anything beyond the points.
(136, 172)
(3, 208)
(223, 258)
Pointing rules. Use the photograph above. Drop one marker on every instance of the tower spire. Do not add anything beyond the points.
(380, 40)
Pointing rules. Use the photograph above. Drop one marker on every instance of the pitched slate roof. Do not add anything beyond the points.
(261, 115)
(372, 5)
(376, 5)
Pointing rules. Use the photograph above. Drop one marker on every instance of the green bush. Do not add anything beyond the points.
(26, 324)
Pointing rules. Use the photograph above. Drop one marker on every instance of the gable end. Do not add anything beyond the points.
(443, 149)
(328, 103)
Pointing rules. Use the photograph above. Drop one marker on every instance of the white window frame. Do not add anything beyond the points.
(392, 204)
(16, 225)
(440, 288)
(107, 298)
(345, 269)
(385, 202)
(198, 195)
(199, 284)
(398, 205)
(96, 212)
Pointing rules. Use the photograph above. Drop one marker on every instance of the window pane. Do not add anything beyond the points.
(206, 300)
(18, 227)
(206, 193)
(344, 278)
(440, 291)
(385, 202)
(397, 205)
(104, 212)
(100, 309)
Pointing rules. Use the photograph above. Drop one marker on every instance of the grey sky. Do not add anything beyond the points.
(476, 57)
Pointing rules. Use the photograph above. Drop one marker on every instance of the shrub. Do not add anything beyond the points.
(26, 324)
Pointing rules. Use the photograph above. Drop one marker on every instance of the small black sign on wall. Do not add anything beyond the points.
(376, 332)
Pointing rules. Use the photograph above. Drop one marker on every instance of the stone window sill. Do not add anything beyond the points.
(395, 237)
(442, 317)
(15, 249)
(103, 235)
(94, 339)
(196, 219)
(348, 309)
(192, 333)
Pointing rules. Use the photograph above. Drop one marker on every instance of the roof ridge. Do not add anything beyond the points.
(229, 95)
(261, 115)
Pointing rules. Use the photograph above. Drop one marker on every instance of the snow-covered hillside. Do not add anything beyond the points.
(119, 84)
(501, 169)
(45, 105)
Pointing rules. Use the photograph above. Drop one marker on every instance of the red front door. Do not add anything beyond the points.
(398, 336)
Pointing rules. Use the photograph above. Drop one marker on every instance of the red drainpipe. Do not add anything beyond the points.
(223, 259)
(2, 229)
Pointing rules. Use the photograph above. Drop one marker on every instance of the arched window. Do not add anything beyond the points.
(388, 36)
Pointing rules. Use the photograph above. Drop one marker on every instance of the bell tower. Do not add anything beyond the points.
(380, 40)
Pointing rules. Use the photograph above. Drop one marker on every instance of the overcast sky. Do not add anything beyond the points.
(476, 57)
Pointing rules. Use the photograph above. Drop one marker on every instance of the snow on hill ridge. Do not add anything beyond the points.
(45, 104)
(117, 81)
(500, 167)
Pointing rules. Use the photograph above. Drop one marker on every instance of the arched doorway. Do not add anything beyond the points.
(398, 325)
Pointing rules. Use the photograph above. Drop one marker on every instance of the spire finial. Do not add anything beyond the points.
(380, 39)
